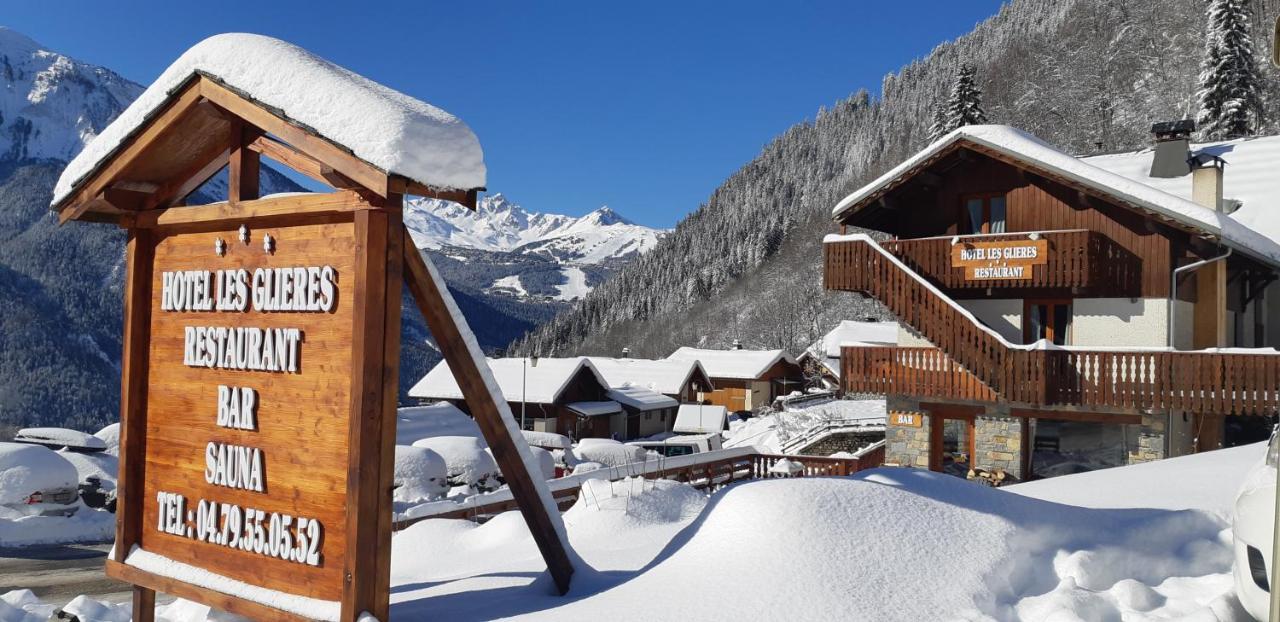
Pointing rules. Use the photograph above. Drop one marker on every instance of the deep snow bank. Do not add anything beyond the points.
(889, 544)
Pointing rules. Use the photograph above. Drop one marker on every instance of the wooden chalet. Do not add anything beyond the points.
(1062, 313)
(744, 379)
(567, 396)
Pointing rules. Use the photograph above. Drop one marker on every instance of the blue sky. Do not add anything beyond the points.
(645, 107)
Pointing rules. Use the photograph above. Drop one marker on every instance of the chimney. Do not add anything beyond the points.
(626, 353)
(1206, 181)
(736, 345)
(1173, 148)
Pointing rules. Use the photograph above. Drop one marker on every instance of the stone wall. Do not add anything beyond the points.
(1150, 445)
(906, 445)
(998, 444)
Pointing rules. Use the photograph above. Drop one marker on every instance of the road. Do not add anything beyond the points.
(58, 574)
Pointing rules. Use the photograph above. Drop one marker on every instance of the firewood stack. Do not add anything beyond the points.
(986, 477)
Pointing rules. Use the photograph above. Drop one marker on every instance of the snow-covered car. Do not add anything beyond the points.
(96, 477)
(682, 444)
(608, 452)
(1252, 535)
(541, 457)
(420, 475)
(467, 461)
(559, 445)
(110, 436)
(61, 438)
(37, 481)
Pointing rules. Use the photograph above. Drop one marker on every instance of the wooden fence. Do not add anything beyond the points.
(709, 471)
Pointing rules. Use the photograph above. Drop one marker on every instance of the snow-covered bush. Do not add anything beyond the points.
(420, 475)
(467, 461)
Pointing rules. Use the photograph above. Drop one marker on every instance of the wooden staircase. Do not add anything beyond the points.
(1120, 380)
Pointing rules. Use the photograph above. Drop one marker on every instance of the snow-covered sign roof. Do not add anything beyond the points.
(700, 419)
(1036, 154)
(1250, 177)
(641, 398)
(391, 131)
(669, 376)
(518, 378)
(595, 409)
(735, 364)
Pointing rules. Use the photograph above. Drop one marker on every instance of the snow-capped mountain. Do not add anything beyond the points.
(499, 225)
(51, 104)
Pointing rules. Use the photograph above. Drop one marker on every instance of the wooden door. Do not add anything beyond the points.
(1046, 319)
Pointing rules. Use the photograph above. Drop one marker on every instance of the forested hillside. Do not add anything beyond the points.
(1087, 75)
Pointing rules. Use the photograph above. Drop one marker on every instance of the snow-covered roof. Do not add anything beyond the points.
(595, 409)
(641, 398)
(669, 376)
(1026, 148)
(519, 379)
(391, 131)
(736, 364)
(855, 333)
(700, 419)
(1250, 177)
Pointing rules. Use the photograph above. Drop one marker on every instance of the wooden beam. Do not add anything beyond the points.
(300, 138)
(139, 265)
(212, 598)
(337, 179)
(466, 197)
(243, 163)
(368, 484)
(290, 157)
(182, 185)
(1083, 417)
(464, 358)
(313, 203)
(78, 202)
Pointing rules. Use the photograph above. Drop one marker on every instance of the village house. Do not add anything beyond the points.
(744, 380)
(821, 361)
(1064, 313)
(567, 396)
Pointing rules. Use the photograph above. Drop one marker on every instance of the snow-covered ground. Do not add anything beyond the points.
(770, 432)
(1146, 542)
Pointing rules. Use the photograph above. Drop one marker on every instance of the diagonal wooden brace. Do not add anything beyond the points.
(464, 357)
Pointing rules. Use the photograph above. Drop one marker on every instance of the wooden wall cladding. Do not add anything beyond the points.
(302, 418)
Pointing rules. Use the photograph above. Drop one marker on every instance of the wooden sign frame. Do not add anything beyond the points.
(141, 187)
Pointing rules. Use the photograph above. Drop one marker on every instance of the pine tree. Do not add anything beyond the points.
(963, 106)
(938, 128)
(1229, 92)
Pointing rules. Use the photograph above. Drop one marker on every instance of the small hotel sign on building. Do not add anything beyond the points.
(1006, 259)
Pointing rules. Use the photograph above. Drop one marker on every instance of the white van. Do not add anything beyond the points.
(682, 444)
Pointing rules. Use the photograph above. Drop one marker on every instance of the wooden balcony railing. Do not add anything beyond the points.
(972, 362)
(921, 372)
(1081, 259)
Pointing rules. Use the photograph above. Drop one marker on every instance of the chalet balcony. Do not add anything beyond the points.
(1109, 381)
(971, 362)
(1084, 262)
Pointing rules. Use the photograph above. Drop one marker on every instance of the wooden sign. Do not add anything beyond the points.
(1008, 259)
(250, 382)
(905, 419)
(259, 375)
